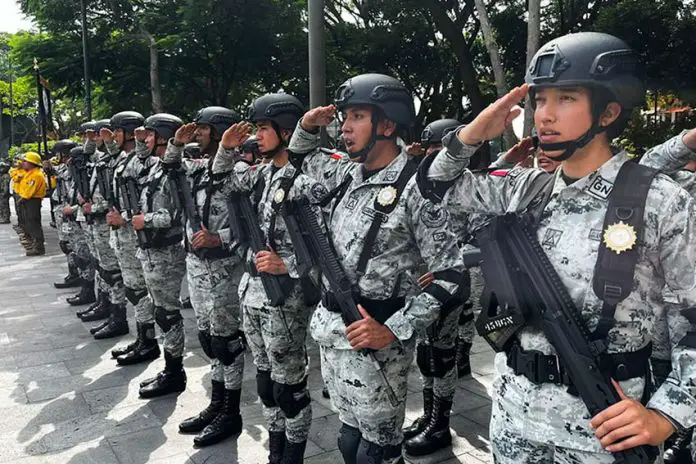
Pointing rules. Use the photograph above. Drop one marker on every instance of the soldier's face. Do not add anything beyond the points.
(562, 114)
(150, 140)
(119, 137)
(203, 135)
(356, 127)
(266, 136)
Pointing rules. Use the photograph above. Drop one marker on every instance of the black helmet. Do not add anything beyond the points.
(192, 150)
(63, 146)
(85, 126)
(127, 120)
(218, 118)
(601, 62)
(384, 92)
(77, 152)
(164, 124)
(100, 124)
(250, 145)
(280, 108)
(436, 130)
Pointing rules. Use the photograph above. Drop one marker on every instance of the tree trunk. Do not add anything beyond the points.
(533, 31)
(155, 88)
(501, 86)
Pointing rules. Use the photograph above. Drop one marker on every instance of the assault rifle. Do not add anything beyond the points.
(82, 182)
(104, 179)
(131, 203)
(325, 257)
(525, 283)
(244, 224)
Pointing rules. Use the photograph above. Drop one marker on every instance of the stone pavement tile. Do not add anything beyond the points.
(79, 350)
(92, 452)
(325, 431)
(40, 390)
(27, 420)
(482, 363)
(326, 458)
(8, 363)
(479, 345)
(178, 459)
(481, 415)
(465, 401)
(479, 384)
(12, 395)
(148, 445)
(122, 421)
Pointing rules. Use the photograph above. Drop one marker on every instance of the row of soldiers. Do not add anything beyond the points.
(367, 250)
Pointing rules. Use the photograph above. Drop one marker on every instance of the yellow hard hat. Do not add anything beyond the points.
(55, 160)
(33, 158)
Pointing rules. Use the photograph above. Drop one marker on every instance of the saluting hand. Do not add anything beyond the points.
(140, 134)
(368, 333)
(235, 135)
(319, 116)
(628, 424)
(106, 134)
(185, 134)
(415, 149)
(492, 121)
(92, 135)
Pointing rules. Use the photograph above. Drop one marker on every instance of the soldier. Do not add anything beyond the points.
(162, 257)
(275, 333)
(97, 207)
(61, 198)
(4, 192)
(81, 168)
(214, 267)
(383, 230)
(671, 326)
(582, 100)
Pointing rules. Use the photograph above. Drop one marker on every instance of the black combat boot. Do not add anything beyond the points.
(146, 348)
(677, 448)
(294, 452)
(86, 295)
(101, 311)
(98, 327)
(463, 362)
(102, 299)
(419, 424)
(117, 324)
(276, 446)
(436, 434)
(228, 422)
(171, 380)
(198, 422)
(70, 280)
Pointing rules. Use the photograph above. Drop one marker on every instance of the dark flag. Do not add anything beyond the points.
(45, 116)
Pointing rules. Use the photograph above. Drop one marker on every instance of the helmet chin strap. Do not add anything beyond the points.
(281, 144)
(571, 146)
(361, 155)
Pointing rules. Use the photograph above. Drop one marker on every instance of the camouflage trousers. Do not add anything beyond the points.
(4, 209)
(80, 244)
(125, 245)
(164, 269)
(442, 335)
(467, 329)
(110, 279)
(213, 285)
(276, 337)
(360, 397)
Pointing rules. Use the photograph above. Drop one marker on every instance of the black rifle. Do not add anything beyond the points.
(131, 203)
(182, 199)
(244, 223)
(339, 283)
(104, 179)
(82, 181)
(522, 278)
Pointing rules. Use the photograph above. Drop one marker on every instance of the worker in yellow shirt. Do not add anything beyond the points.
(16, 174)
(31, 190)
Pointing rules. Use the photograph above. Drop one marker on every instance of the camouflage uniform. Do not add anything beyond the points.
(124, 241)
(163, 264)
(4, 193)
(111, 279)
(540, 423)
(213, 281)
(415, 234)
(276, 335)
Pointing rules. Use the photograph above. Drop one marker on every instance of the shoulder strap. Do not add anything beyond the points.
(614, 270)
(382, 211)
(285, 185)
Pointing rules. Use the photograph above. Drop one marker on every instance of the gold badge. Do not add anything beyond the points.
(386, 196)
(620, 237)
(279, 195)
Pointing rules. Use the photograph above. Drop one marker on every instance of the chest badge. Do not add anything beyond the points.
(620, 237)
(279, 196)
(386, 196)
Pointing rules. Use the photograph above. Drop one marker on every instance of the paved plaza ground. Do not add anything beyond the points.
(63, 400)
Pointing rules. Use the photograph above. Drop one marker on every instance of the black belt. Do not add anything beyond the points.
(380, 310)
(209, 253)
(164, 242)
(540, 368)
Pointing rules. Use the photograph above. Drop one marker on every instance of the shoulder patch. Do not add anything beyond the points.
(433, 215)
(336, 157)
(318, 192)
(499, 173)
